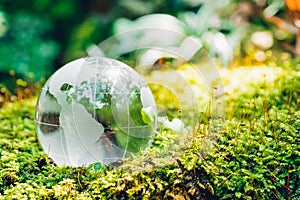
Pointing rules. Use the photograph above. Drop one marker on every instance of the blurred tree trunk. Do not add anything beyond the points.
(293, 8)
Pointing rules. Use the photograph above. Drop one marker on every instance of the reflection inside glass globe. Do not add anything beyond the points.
(95, 110)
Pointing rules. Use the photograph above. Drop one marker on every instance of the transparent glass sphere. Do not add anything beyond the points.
(94, 110)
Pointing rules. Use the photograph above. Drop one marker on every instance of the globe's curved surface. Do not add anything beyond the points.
(94, 110)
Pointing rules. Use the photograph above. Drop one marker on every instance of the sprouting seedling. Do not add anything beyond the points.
(96, 166)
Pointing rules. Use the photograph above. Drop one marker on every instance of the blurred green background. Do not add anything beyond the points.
(39, 36)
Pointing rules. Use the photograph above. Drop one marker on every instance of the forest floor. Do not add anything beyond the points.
(255, 154)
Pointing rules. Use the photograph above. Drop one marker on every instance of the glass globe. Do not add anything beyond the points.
(94, 110)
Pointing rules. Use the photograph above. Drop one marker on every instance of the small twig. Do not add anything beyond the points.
(287, 184)
(227, 178)
(79, 174)
(275, 194)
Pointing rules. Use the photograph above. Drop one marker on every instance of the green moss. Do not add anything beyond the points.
(254, 156)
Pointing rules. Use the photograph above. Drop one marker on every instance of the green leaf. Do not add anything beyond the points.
(135, 107)
(147, 116)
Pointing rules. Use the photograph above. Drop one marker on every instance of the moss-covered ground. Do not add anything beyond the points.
(256, 154)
